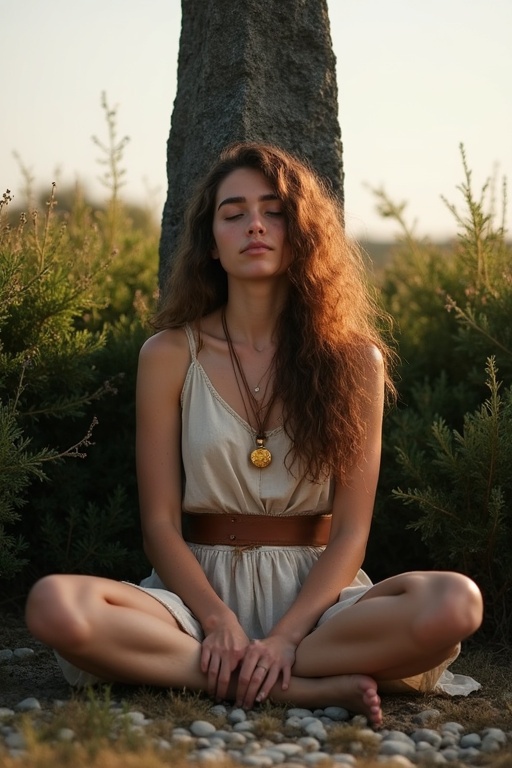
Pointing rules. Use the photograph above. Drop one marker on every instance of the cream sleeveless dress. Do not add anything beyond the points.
(258, 583)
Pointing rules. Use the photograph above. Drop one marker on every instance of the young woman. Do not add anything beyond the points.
(259, 415)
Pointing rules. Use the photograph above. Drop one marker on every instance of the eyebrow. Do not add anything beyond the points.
(261, 199)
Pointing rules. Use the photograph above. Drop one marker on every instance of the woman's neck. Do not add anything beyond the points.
(252, 318)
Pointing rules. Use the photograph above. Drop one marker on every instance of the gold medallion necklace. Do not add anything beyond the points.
(260, 456)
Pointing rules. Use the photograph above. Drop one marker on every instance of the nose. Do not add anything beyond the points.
(255, 225)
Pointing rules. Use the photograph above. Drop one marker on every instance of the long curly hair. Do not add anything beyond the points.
(330, 320)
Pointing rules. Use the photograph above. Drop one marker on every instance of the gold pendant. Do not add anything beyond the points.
(261, 457)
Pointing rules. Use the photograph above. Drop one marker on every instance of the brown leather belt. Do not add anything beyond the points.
(254, 530)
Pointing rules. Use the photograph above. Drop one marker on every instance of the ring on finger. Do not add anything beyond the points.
(260, 666)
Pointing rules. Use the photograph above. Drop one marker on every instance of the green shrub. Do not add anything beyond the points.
(76, 287)
(464, 499)
(448, 441)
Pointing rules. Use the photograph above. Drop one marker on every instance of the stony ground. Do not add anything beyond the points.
(38, 676)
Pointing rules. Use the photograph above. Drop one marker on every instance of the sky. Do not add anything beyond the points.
(416, 78)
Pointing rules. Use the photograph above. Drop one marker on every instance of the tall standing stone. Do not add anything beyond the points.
(250, 70)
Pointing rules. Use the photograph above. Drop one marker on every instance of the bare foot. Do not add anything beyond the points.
(358, 693)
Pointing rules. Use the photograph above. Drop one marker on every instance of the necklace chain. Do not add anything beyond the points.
(261, 456)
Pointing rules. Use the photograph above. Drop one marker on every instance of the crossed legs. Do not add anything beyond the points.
(401, 627)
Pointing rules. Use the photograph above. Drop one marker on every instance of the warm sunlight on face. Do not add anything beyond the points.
(249, 227)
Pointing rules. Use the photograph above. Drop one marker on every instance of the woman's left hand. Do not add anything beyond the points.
(264, 661)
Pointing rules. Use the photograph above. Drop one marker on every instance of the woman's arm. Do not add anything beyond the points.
(163, 365)
(343, 556)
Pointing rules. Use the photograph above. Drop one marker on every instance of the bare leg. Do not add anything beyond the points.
(403, 626)
(122, 634)
(114, 631)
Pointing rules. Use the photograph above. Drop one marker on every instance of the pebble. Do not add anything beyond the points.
(308, 747)
(422, 718)
(28, 705)
(10, 656)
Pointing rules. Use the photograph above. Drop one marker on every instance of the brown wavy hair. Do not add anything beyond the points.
(330, 320)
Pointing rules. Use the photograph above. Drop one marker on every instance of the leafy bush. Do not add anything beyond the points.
(75, 291)
(449, 441)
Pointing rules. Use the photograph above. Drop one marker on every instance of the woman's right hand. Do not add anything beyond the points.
(223, 649)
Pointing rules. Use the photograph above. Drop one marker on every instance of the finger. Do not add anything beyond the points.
(287, 674)
(213, 674)
(244, 680)
(267, 684)
(257, 678)
(223, 679)
(205, 660)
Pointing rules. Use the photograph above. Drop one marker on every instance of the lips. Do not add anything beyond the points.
(256, 246)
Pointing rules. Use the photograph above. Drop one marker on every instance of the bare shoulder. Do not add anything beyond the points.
(372, 371)
(373, 361)
(172, 341)
(167, 352)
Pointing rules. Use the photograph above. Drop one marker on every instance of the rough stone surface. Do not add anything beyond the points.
(250, 71)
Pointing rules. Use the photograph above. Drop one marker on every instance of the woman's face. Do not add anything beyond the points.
(249, 227)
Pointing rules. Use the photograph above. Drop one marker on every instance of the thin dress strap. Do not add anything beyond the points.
(191, 341)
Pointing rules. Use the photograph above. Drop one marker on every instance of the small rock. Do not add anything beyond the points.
(422, 718)
(316, 730)
(299, 712)
(202, 728)
(455, 728)
(216, 742)
(495, 733)
(397, 747)
(469, 753)
(338, 714)
(136, 718)
(65, 734)
(15, 741)
(490, 744)
(276, 756)
(399, 761)
(23, 653)
(6, 712)
(309, 744)
(314, 758)
(449, 740)
(290, 750)
(162, 744)
(237, 716)
(256, 761)
(245, 725)
(28, 705)
(182, 738)
(360, 721)
(209, 755)
(399, 736)
(428, 735)
(436, 758)
(450, 754)
(6, 655)
(470, 740)
(219, 710)
(236, 739)
(343, 758)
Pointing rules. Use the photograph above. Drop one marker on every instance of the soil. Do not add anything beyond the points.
(40, 676)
